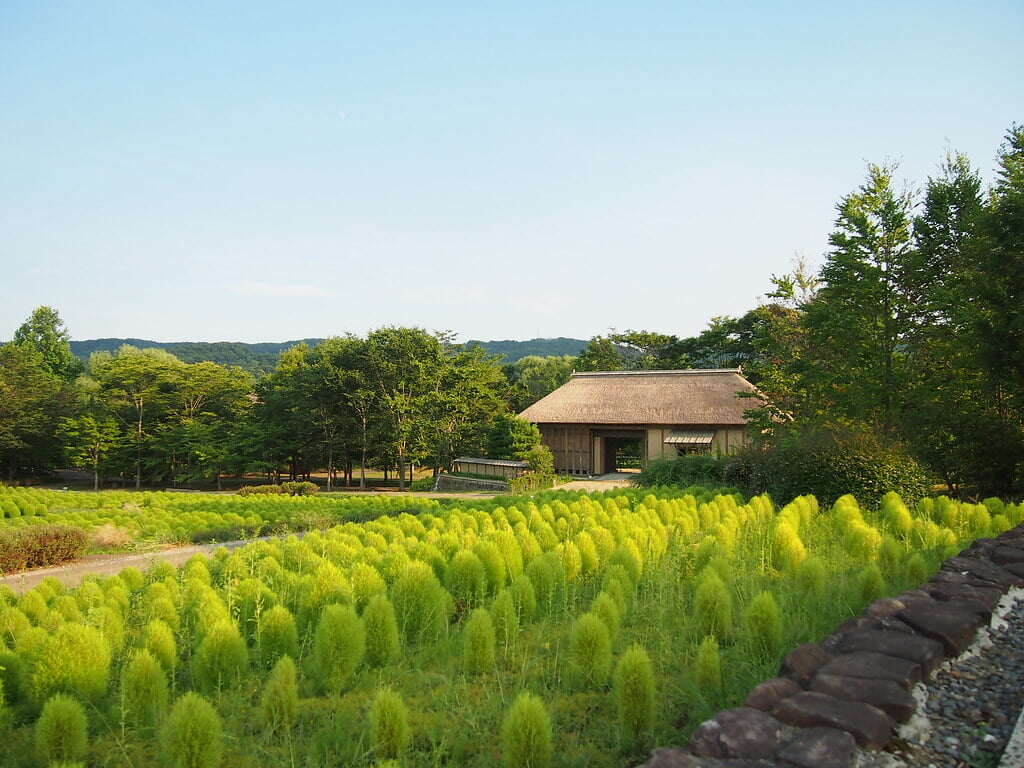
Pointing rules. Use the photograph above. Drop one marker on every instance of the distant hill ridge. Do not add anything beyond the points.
(261, 357)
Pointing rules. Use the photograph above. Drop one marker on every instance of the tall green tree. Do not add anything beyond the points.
(859, 318)
(139, 388)
(33, 401)
(44, 331)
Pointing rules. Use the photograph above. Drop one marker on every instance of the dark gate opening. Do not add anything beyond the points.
(623, 454)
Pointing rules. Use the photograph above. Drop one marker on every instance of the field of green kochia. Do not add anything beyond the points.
(560, 629)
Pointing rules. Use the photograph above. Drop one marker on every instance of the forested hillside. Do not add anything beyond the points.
(262, 357)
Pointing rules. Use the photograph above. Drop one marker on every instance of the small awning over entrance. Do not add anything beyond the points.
(678, 437)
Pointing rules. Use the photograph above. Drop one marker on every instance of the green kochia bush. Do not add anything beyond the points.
(762, 624)
(280, 702)
(221, 659)
(466, 579)
(192, 735)
(381, 627)
(390, 734)
(143, 690)
(158, 639)
(712, 605)
(478, 642)
(526, 734)
(422, 606)
(634, 697)
(75, 659)
(61, 733)
(707, 668)
(590, 650)
(339, 646)
(505, 619)
(276, 636)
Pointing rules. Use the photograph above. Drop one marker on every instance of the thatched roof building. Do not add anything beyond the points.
(593, 419)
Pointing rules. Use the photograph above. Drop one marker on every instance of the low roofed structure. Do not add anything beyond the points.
(589, 421)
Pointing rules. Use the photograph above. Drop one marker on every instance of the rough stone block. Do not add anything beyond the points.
(818, 747)
(955, 629)
(982, 569)
(884, 694)
(874, 665)
(767, 694)
(671, 757)
(921, 650)
(869, 725)
(741, 732)
(803, 661)
(884, 607)
(1008, 553)
(1017, 569)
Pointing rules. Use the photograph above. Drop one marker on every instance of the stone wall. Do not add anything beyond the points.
(455, 483)
(853, 688)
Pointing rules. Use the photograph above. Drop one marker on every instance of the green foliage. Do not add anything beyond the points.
(590, 651)
(505, 618)
(829, 466)
(707, 667)
(606, 609)
(466, 579)
(61, 733)
(279, 704)
(871, 583)
(547, 575)
(704, 469)
(810, 578)
(762, 624)
(339, 647)
(712, 605)
(633, 687)
(526, 734)
(478, 642)
(276, 636)
(192, 735)
(381, 627)
(158, 639)
(74, 660)
(221, 659)
(421, 603)
(144, 691)
(390, 733)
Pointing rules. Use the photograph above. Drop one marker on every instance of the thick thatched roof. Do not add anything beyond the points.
(646, 397)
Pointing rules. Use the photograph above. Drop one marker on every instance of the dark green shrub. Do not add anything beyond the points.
(303, 488)
(38, 545)
(828, 466)
(703, 469)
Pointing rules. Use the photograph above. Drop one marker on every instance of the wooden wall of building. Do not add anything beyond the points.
(571, 446)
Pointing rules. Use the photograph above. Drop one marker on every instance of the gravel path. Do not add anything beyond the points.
(969, 709)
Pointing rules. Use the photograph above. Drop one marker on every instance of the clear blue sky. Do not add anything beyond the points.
(255, 171)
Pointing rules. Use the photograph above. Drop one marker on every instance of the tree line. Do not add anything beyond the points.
(910, 333)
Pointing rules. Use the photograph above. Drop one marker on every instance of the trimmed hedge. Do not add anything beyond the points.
(39, 545)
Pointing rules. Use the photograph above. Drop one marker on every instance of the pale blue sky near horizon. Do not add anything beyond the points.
(214, 171)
